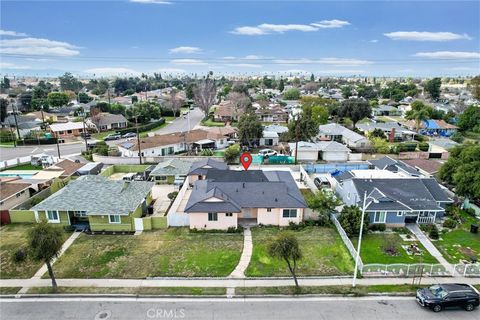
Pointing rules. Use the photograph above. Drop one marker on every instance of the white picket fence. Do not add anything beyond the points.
(16, 161)
(420, 269)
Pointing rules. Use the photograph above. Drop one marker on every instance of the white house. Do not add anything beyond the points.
(269, 138)
(323, 150)
(336, 132)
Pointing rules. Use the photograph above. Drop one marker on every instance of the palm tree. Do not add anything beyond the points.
(285, 246)
(419, 116)
(45, 244)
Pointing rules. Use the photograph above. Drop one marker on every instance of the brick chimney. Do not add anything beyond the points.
(391, 136)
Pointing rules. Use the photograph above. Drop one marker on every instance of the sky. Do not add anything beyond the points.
(327, 38)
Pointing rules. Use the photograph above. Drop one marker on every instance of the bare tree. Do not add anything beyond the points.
(176, 101)
(240, 101)
(204, 95)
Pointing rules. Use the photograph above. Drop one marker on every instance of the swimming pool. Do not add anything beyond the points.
(25, 174)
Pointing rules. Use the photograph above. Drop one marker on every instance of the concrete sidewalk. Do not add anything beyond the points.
(226, 282)
(242, 265)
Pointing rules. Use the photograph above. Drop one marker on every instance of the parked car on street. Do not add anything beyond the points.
(449, 295)
(267, 152)
(85, 135)
(129, 135)
(113, 136)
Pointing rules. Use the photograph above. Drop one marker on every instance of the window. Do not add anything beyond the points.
(212, 216)
(161, 178)
(399, 213)
(69, 131)
(80, 213)
(228, 214)
(379, 217)
(269, 209)
(114, 218)
(289, 213)
(61, 132)
(52, 216)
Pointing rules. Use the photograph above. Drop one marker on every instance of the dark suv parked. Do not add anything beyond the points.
(451, 295)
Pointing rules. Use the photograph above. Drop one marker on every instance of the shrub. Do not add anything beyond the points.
(450, 223)
(20, 255)
(172, 195)
(296, 226)
(433, 232)
(423, 146)
(457, 137)
(390, 245)
(207, 152)
(471, 212)
(232, 153)
(350, 220)
(378, 227)
(420, 138)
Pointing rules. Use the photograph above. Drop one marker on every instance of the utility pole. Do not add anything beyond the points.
(43, 118)
(357, 258)
(58, 146)
(297, 134)
(14, 107)
(13, 136)
(85, 133)
(138, 142)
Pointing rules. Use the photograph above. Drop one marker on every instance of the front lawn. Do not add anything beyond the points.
(12, 238)
(210, 123)
(162, 253)
(190, 291)
(323, 251)
(460, 243)
(374, 245)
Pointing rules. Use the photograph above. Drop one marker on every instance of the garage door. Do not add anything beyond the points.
(335, 156)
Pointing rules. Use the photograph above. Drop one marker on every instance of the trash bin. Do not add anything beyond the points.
(474, 228)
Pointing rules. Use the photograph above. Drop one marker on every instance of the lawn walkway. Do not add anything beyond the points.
(242, 265)
(428, 245)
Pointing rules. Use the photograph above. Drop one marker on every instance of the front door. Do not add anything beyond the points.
(138, 224)
(247, 213)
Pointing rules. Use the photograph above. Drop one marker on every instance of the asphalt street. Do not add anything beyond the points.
(65, 149)
(105, 308)
(181, 123)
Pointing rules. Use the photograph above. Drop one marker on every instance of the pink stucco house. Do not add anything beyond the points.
(223, 198)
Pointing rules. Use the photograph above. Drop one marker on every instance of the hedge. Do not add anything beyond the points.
(37, 141)
(6, 136)
(423, 146)
(146, 127)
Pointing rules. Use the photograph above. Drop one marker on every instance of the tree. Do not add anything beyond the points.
(281, 85)
(232, 153)
(285, 246)
(380, 145)
(145, 111)
(347, 92)
(5, 84)
(433, 88)
(250, 129)
(304, 127)
(240, 101)
(175, 101)
(291, 94)
(461, 170)
(378, 133)
(57, 99)
(320, 115)
(323, 203)
(204, 95)
(350, 220)
(3, 109)
(26, 101)
(45, 243)
(84, 98)
(69, 82)
(470, 119)
(419, 113)
(475, 87)
(367, 92)
(312, 78)
(355, 109)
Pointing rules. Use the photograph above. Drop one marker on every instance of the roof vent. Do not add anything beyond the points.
(243, 184)
(276, 200)
(237, 189)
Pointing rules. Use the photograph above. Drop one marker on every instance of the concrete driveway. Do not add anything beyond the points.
(160, 195)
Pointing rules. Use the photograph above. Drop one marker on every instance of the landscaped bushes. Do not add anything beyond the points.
(449, 223)
(405, 147)
(144, 128)
(6, 136)
(377, 227)
(423, 146)
(432, 230)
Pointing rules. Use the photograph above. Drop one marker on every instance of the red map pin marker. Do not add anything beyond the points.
(246, 160)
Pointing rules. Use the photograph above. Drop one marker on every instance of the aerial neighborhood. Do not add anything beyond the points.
(198, 177)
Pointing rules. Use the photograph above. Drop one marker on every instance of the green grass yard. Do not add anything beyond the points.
(372, 250)
(25, 166)
(460, 244)
(323, 254)
(12, 238)
(171, 252)
(210, 123)
(191, 291)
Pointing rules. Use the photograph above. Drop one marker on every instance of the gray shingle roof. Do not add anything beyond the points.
(280, 191)
(404, 192)
(172, 167)
(334, 129)
(201, 167)
(387, 163)
(97, 196)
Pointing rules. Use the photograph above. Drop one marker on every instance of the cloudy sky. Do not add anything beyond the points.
(376, 38)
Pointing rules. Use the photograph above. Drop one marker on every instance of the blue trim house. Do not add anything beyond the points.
(396, 201)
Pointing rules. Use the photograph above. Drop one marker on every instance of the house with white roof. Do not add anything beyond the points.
(322, 150)
(338, 133)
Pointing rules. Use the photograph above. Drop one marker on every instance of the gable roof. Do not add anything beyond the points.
(104, 119)
(320, 146)
(401, 194)
(201, 167)
(98, 196)
(387, 163)
(55, 127)
(278, 191)
(9, 189)
(334, 129)
(69, 167)
(172, 167)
